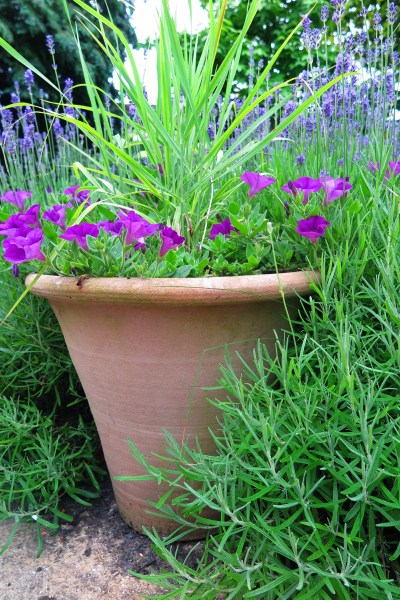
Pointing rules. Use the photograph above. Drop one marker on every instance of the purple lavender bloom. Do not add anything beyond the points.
(170, 239)
(305, 185)
(29, 79)
(20, 249)
(376, 20)
(50, 44)
(17, 198)
(56, 214)
(79, 233)
(334, 188)
(256, 181)
(68, 88)
(77, 197)
(324, 13)
(300, 160)
(392, 13)
(223, 228)
(312, 228)
(58, 128)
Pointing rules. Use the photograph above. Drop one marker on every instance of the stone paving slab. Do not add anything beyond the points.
(86, 560)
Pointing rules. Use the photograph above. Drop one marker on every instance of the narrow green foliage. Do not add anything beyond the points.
(305, 481)
(40, 463)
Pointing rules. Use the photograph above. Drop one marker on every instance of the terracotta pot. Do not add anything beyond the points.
(145, 348)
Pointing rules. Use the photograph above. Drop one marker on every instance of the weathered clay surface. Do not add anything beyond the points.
(145, 351)
(86, 560)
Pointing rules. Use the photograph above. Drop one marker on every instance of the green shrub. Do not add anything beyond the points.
(305, 481)
(34, 358)
(39, 463)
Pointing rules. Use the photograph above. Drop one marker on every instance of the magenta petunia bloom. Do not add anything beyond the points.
(79, 233)
(114, 227)
(17, 198)
(373, 166)
(133, 216)
(305, 185)
(312, 228)
(57, 214)
(256, 181)
(137, 227)
(334, 188)
(20, 221)
(393, 170)
(223, 228)
(20, 249)
(78, 197)
(170, 240)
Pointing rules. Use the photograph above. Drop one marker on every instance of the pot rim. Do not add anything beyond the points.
(173, 291)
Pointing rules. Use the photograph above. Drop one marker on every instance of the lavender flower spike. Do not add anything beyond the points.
(256, 181)
(17, 198)
(170, 240)
(312, 228)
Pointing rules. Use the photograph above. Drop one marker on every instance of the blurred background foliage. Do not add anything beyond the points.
(25, 24)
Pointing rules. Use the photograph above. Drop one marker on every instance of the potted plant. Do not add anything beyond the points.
(175, 252)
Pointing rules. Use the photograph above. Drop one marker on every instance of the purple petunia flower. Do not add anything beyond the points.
(137, 227)
(223, 228)
(312, 228)
(22, 248)
(112, 227)
(334, 188)
(305, 185)
(136, 231)
(79, 233)
(393, 170)
(256, 181)
(56, 214)
(78, 197)
(20, 222)
(17, 198)
(394, 167)
(170, 240)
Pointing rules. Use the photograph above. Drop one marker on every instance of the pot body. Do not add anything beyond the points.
(145, 348)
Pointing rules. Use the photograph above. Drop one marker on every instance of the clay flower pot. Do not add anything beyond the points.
(145, 348)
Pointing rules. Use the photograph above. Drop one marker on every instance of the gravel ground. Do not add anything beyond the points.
(88, 559)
